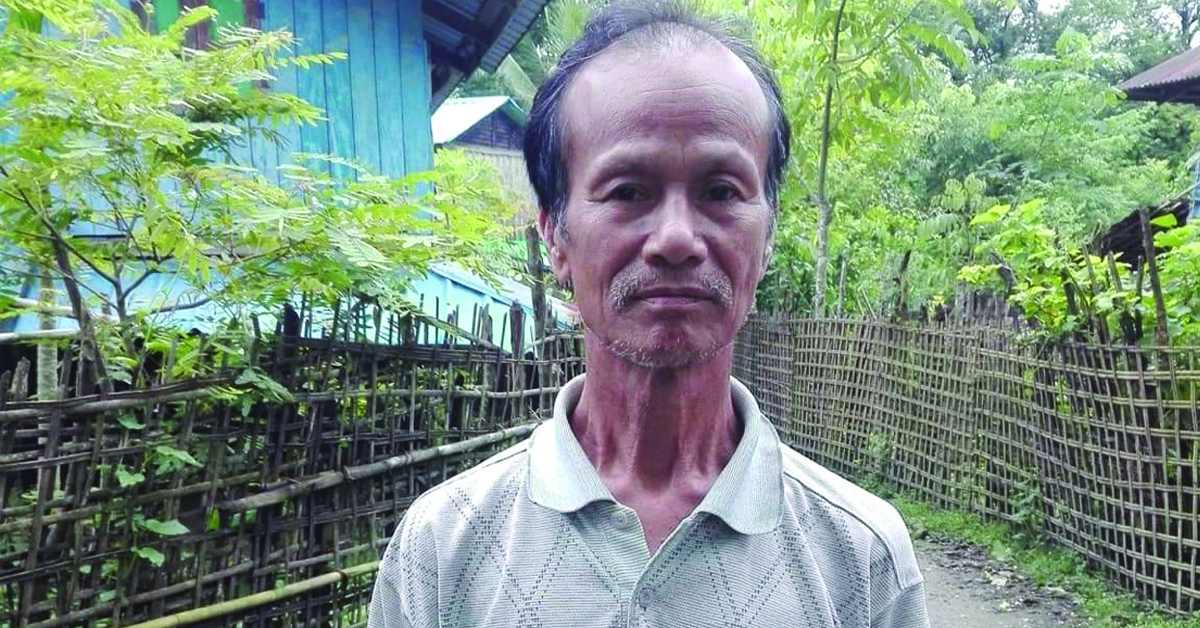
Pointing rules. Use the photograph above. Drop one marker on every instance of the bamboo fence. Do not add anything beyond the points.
(275, 514)
(1093, 446)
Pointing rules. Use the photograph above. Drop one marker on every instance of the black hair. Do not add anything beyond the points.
(545, 145)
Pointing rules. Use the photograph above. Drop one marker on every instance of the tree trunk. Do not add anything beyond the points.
(825, 218)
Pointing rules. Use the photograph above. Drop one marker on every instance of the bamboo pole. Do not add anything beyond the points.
(258, 599)
(34, 336)
(330, 479)
(57, 310)
(101, 406)
(1161, 337)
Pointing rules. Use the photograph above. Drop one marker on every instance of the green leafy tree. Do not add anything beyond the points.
(115, 168)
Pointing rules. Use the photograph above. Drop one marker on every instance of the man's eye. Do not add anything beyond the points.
(722, 193)
(627, 194)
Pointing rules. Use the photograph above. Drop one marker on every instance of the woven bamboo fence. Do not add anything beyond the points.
(1096, 447)
(172, 506)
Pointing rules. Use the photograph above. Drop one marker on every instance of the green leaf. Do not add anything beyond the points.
(1166, 220)
(171, 453)
(127, 479)
(992, 215)
(152, 555)
(129, 422)
(165, 528)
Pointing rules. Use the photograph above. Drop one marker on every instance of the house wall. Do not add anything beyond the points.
(376, 101)
(496, 130)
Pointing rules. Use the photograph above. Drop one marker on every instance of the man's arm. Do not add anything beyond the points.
(406, 587)
(906, 610)
(387, 605)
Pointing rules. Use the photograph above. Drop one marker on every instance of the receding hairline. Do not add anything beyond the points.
(671, 38)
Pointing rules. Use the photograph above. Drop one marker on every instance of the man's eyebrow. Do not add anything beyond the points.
(622, 162)
(720, 156)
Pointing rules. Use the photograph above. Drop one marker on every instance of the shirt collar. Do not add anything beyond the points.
(747, 495)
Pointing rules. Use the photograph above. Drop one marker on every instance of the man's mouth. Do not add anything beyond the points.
(675, 295)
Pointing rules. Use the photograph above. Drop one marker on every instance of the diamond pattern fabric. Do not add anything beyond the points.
(532, 538)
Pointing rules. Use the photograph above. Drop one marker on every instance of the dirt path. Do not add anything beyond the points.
(966, 589)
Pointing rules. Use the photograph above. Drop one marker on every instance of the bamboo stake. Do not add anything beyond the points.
(110, 404)
(330, 479)
(258, 599)
(1161, 337)
(34, 336)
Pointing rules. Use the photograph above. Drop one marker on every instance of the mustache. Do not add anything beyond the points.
(631, 281)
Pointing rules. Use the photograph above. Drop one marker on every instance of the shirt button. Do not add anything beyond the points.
(622, 520)
(645, 597)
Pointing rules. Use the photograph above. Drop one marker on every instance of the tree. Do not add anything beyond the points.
(117, 170)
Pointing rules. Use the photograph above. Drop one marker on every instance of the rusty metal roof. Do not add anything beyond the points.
(1175, 80)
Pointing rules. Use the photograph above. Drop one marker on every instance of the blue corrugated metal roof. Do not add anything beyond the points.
(457, 115)
(520, 21)
(511, 19)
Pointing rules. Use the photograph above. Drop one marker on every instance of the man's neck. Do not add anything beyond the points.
(655, 434)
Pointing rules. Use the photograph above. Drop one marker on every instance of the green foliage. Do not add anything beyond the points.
(163, 528)
(150, 555)
(873, 469)
(1027, 262)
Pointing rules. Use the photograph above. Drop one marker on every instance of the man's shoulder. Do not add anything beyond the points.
(855, 504)
(496, 479)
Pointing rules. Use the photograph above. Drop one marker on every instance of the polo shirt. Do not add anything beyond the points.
(531, 537)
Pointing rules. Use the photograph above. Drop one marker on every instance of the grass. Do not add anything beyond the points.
(1097, 599)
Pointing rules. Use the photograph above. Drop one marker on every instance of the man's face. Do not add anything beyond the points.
(667, 225)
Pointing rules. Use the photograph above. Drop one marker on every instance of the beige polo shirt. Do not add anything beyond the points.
(531, 537)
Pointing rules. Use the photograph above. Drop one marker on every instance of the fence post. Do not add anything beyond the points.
(1161, 338)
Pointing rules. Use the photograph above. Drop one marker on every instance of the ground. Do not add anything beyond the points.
(966, 589)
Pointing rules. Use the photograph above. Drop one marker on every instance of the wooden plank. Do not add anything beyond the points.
(340, 107)
(278, 15)
(165, 14)
(415, 92)
(310, 83)
(386, 21)
(229, 12)
(363, 87)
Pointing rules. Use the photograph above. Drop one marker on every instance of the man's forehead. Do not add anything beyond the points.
(634, 88)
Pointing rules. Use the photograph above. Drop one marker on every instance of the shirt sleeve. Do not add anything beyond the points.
(387, 605)
(906, 610)
(406, 589)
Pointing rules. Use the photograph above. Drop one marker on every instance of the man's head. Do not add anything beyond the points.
(656, 149)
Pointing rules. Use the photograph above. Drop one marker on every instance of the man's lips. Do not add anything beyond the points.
(675, 295)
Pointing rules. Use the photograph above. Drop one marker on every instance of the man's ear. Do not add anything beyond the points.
(551, 235)
(768, 250)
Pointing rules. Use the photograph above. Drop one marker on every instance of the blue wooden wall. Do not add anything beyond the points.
(376, 101)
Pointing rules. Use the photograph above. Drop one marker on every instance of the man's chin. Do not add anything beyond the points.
(662, 356)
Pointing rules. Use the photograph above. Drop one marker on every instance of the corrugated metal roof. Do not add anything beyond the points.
(520, 21)
(1175, 80)
(446, 23)
(457, 115)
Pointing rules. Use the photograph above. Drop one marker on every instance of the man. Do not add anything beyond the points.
(658, 495)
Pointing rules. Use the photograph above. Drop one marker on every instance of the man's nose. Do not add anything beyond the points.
(676, 239)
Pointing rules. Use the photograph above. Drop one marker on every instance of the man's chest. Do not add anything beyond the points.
(595, 571)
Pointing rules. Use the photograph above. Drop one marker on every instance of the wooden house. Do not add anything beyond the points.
(403, 59)
(1175, 80)
(491, 128)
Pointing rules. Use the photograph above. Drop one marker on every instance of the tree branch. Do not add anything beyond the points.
(888, 35)
(181, 306)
